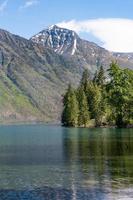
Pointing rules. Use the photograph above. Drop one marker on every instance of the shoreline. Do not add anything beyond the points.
(56, 123)
(17, 123)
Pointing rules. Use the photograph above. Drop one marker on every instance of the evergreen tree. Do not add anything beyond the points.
(130, 98)
(95, 77)
(99, 77)
(85, 79)
(71, 110)
(83, 108)
(120, 93)
(95, 101)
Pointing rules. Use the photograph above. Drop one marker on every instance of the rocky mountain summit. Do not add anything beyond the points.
(63, 41)
(67, 43)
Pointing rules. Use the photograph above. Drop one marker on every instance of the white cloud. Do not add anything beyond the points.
(115, 34)
(3, 6)
(29, 3)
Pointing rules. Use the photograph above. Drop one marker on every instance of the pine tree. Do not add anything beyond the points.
(85, 79)
(95, 102)
(95, 77)
(83, 108)
(120, 93)
(99, 77)
(71, 110)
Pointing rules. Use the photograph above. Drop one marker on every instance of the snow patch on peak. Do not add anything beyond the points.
(51, 27)
(74, 47)
(61, 40)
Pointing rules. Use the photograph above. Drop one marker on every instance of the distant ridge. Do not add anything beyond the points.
(66, 42)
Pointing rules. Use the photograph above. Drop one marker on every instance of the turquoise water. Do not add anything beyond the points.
(39, 162)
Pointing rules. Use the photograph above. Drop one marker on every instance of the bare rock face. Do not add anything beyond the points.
(62, 41)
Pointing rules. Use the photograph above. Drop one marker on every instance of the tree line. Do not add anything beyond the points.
(101, 100)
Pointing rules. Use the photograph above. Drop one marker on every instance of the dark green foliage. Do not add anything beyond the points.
(107, 102)
(71, 109)
(85, 79)
(99, 77)
(83, 107)
(95, 101)
(95, 77)
(120, 94)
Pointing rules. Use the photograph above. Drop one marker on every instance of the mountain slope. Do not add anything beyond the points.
(35, 73)
(39, 75)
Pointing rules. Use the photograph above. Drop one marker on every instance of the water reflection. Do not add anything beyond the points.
(100, 160)
(55, 163)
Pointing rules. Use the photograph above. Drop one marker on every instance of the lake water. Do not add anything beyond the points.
(39, 162)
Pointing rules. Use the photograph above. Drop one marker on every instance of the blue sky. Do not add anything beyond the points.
(27, 17)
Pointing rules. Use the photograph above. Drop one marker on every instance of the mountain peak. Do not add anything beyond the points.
(61, 40)
(53, 27)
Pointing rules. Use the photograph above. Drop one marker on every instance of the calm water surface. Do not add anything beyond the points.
(39, 162)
